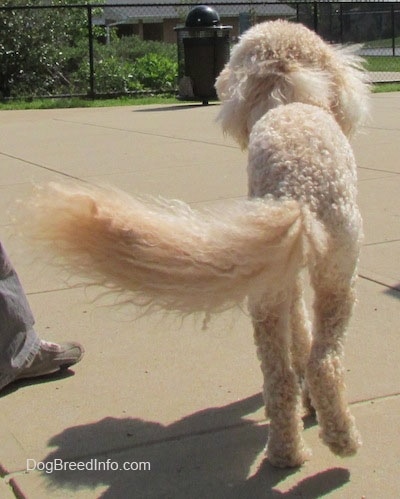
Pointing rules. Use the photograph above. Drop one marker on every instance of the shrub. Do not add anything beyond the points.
(110, 76)
(131, 48)
(156, 72)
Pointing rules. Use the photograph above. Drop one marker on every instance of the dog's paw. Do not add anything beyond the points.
(343, 443)
(287, 458)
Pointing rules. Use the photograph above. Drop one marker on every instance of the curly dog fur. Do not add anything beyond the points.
(293, 101)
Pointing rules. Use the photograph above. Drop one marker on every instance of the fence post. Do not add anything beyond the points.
(91, 59)
(341, 21)
(393, 27)
(316, 17)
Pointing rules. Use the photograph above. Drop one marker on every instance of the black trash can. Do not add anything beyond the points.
(203, 50)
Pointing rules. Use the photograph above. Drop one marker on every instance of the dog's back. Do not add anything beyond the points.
(299, 152)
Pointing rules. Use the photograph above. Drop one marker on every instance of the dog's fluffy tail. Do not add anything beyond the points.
(166, 254)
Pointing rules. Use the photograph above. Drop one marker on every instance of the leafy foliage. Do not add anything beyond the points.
(32, 43)
(155, 71)
(131, 48)
(129, 64)
(111, 76)
(45, 51)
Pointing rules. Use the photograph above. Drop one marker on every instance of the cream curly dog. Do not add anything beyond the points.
(292, 100)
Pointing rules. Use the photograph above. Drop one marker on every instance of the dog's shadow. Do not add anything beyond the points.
(393, 291)
(209, 453)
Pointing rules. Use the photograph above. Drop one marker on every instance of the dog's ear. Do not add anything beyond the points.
(351, 103)
(222, 84)
(233, 114)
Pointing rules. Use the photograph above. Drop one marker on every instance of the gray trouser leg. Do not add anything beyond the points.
(18, 340)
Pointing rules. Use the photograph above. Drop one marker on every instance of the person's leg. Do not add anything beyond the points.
(22, 353)
(19, 342)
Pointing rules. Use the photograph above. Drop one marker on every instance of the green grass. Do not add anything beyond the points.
(386, 87)
(385, 43)
(382, 63)
(63, 103)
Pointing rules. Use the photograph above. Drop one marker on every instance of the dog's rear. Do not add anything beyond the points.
(292, 100)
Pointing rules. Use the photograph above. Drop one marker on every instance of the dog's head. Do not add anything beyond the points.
(279, 62)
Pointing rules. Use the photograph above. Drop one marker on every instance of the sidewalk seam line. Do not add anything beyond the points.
(381, 283)
(32, 163)
(230, 146)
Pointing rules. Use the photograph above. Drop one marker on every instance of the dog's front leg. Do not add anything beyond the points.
(282, 391)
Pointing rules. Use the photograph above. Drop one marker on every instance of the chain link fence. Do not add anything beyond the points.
(121, 48)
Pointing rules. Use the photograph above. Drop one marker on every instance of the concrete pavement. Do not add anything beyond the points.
(179, 406)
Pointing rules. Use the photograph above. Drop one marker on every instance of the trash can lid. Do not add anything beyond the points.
(202, 16)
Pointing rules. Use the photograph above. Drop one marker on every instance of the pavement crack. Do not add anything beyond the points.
(392, 172)
(381, 242)
(151, 134)
(38, 165)
(381, 283)
(390, 396)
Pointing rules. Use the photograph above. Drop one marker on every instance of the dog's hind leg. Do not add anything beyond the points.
(301, 339)
(333, 281)
(282, 392)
